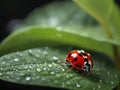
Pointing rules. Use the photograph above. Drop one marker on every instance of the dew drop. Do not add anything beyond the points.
(68, 83)
(63, 84)
(93, 88)
(37, 77)
(97, 69)
(45, 53)
(9, 73)
(0, 74)
(62, 69)
(1, 68)
(18, 78)
(30, 51)
(55, 81)
(16, 60)
(111, 82)
(67, 76)
(20, 54)
(78, 85)
(21, 74)
(3, 63)
(54, 58)
(57, 75)
(44, 68)
(38, 69)
(99, 87)
(43, 78)
(7, 57)
(100, 81)
(52, 73)
(116, 75)
(37, 55)
(108, 73)
(50, 65)
(27, 78)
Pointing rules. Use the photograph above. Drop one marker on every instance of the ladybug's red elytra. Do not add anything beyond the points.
(80, 60)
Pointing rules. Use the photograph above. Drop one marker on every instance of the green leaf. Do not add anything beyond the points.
(36, 36)
(56, 25)
(107, 13)
(41, 66)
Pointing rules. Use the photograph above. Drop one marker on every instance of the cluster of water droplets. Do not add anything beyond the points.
(51, 69)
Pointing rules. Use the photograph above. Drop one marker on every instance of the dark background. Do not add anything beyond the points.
(14, 11)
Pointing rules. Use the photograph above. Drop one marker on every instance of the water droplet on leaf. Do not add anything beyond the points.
(52, 73)
(108, 73)
(57, 75)
(43, 78)
(1, 68)
(44, 68)
(62, 69)
(67, 76)
(3, 63)
(0, 74)
(50, 65)
(93, 88)
(16, 60)
(100, 81)
(78, 85)
(27, 78)
(99, 87)
(20, 54)
(68, 83)
(45, 53)
(63, 84)
(116, 75)
(38, 69)
(55, 81)
(54, 58)
(30, 51)
(111, 82)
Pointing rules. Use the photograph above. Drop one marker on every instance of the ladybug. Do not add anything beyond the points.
(80, 60)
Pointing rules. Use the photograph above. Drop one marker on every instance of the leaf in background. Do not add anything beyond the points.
(56, 25)
(107, 13)
(41, 66)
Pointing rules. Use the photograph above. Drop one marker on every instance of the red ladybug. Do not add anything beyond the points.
(80, 60)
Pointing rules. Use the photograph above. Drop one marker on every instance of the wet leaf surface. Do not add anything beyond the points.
(41, 66)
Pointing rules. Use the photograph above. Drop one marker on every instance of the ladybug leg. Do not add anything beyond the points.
(63, 63)
(70, 69)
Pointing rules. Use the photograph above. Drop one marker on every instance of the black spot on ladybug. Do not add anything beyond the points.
(76, 65)
(67, 60)
(80, 66)
(75, 59)
(84, 54)
(69, 55)
(86, 60)
(80, 54)
(72, 61)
